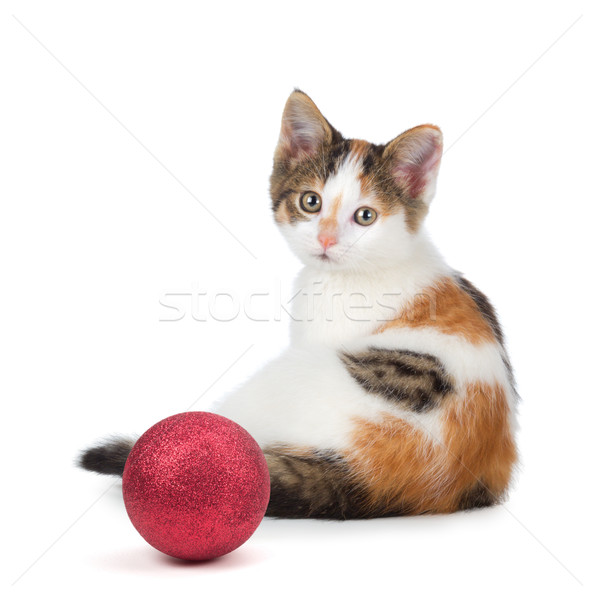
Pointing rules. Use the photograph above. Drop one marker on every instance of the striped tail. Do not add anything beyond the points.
(314, 485)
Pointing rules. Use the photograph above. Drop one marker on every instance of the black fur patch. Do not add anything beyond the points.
(371, 158)
(416, 381)
(484, 305)
(108, 458)
(336, 156)
(478, 496)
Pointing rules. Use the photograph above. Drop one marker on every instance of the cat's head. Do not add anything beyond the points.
(350, 204)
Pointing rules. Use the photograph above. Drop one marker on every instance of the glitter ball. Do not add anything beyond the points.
(196, 485)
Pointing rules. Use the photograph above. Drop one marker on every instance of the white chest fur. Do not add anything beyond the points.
(333, 308)
(306, 397)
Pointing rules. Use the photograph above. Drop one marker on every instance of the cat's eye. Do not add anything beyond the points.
(365, 215)
(310, 202)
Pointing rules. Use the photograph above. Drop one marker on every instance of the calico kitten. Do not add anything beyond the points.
(396, 395)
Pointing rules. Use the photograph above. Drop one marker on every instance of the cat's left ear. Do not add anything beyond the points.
(413, 158)
(304, 130)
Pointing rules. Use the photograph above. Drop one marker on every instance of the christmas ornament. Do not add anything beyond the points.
(196, 485)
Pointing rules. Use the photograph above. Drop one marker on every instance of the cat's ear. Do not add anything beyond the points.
(303, 130)
(413, 158)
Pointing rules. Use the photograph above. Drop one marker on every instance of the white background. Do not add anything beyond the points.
(122, 124)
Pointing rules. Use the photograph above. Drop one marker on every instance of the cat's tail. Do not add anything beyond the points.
(107, 458)
(313, 485)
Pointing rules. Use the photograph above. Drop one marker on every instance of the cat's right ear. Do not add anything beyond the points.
(304, 130)
(414, 158)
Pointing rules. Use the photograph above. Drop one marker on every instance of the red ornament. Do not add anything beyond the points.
(196, 485)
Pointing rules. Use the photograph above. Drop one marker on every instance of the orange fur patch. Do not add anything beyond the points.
(407, 472)
(359, 148)
(449, 309)
(330, 222)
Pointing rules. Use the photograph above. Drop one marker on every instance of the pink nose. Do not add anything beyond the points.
(326, 240)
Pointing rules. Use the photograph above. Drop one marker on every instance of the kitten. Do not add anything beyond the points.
(396, 395)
